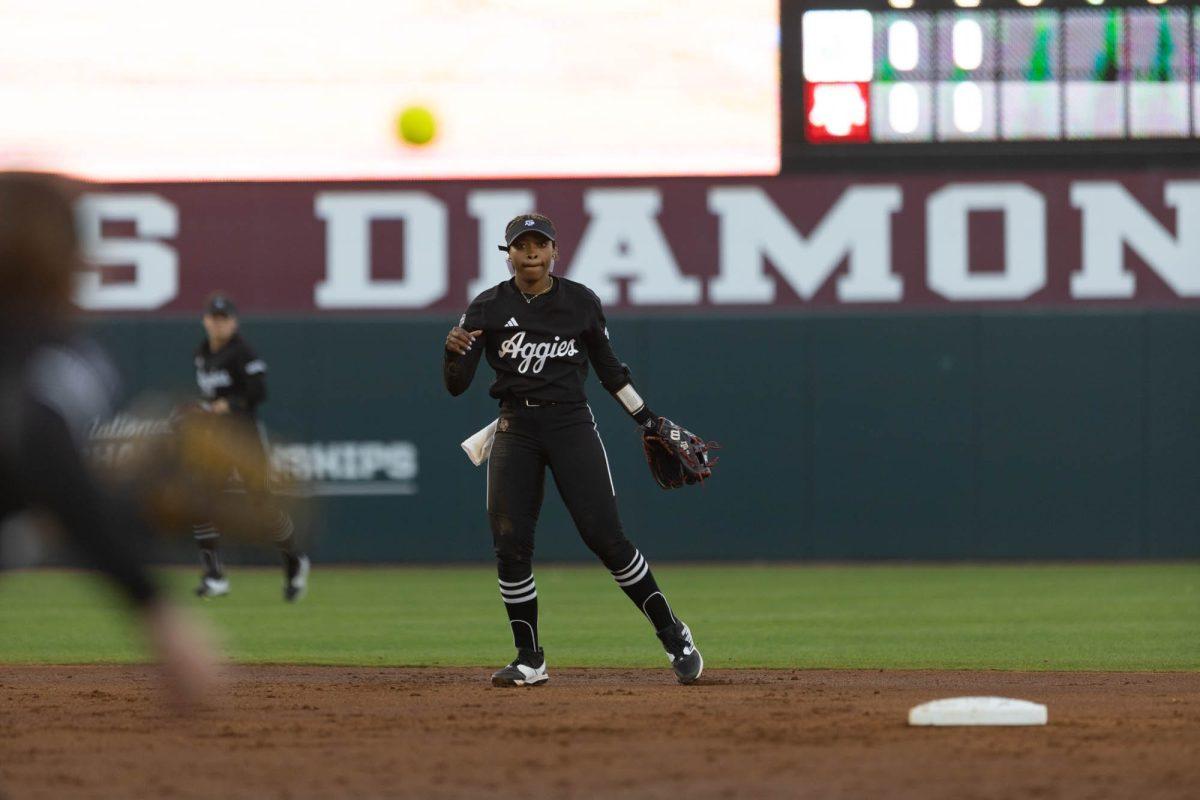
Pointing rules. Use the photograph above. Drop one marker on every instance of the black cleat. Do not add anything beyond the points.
(527, 669)
(685, 658)
(296, 579)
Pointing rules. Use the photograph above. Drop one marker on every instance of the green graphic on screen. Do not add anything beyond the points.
(1028, 74)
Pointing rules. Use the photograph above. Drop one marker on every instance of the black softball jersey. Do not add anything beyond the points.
(539, 347)
(234, 373)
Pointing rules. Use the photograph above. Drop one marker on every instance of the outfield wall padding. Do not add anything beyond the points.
(982, 435)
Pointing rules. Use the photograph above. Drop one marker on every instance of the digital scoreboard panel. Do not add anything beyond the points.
(983, 81)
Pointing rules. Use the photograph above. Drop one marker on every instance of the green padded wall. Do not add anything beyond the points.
(997, 434)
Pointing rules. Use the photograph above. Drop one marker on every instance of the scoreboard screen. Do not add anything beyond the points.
(988, 79)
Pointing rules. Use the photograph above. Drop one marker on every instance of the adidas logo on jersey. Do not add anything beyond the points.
(512, 323)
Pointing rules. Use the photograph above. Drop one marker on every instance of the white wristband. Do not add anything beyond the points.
(630, 398)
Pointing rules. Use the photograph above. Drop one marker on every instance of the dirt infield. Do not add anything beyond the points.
(301, 732)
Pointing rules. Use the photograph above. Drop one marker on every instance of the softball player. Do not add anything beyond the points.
(233, 382)
(53, 386)
(539, 333)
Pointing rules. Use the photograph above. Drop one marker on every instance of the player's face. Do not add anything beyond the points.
(531, 254)
(219, 327)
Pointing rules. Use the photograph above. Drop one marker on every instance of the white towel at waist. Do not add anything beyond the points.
(478, 445)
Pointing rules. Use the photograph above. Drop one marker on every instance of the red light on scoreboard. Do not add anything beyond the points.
(837, 112)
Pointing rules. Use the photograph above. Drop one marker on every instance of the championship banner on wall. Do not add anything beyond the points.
(763, 244)
(308, 469)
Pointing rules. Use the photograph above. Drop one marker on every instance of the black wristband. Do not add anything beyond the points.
(645, 417)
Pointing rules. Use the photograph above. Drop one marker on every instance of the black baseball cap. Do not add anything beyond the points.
(527, 223)
(220, 306)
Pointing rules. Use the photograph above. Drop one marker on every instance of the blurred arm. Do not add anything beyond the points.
(101, 528)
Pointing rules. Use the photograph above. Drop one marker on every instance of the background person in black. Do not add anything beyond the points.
(233, 383)
(539, 333)
(53, 385)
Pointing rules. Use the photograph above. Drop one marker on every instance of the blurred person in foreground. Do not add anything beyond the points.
(53, 384)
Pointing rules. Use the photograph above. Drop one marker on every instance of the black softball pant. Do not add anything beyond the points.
(563, 438)
(258, 492)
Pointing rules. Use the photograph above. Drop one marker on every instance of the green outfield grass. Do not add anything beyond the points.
(1052, 617)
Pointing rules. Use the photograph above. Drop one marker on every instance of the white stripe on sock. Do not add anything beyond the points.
(515, 592)
(288, 528)
(641, 574)
(632, 561)
(522, 599)
(625, 573)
